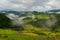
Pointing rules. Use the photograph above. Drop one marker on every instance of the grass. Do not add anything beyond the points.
(12, 35)
(43, 16)
(28, 34)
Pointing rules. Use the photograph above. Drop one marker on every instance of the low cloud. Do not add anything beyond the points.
(16, 20)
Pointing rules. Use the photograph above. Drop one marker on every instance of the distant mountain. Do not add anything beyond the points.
(19, 12)
(16, 12)
(10, 11)
(56, 10)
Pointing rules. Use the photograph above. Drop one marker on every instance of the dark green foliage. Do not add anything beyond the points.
(38, 22)
(17, 28)
(58, 18)
(57, 24)
(4, 21)
(35, 23)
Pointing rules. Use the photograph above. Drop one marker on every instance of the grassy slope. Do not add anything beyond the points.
(43, 33)
(30, 33)
(12, 35)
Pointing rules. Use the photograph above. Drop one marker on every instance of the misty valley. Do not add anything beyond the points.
(29, 26)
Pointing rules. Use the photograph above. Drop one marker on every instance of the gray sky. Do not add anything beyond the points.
(29, 5)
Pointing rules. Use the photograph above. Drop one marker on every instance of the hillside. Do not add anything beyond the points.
(30, 26)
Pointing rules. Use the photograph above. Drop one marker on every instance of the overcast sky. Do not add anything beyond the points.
(29, 5)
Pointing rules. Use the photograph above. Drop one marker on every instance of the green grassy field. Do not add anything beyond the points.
(13, 35)
(26, 35)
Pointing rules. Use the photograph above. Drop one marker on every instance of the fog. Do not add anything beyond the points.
(16, 20)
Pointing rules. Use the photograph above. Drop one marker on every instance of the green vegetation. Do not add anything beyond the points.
(42, 27)
(12, 35)
(4, 21)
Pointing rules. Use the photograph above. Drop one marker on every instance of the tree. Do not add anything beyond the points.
(4, 21)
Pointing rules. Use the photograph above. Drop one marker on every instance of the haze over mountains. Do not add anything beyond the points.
(22, 12)
(56, 10)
